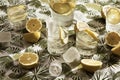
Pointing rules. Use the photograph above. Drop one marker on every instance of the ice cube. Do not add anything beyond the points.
(55, 68)
(5, 37)
(71, 55)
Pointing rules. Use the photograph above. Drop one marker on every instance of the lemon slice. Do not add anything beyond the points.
(91, 65)
(62, 8)
(112, 39)
(28, 60)
(92, 34)
(33, 25)
(63, 35)
(80, 26)
(32, 37)
(113, 15)
(116, 49)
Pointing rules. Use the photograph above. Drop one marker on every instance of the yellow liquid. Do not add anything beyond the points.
(63, 8)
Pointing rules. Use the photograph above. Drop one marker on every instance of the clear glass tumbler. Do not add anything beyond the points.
(113, 20)
(54, 42)
(17, 15)
(55, 68)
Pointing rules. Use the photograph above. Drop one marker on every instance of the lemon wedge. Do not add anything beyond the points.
(32, 37)
(91, 65)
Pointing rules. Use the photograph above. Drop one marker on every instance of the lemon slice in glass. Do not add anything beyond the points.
(62, 8)
(113, 15)
(33, 25)
(32, 37)
(91, 65)
(112, 39)
(63, 35)
(28, 60)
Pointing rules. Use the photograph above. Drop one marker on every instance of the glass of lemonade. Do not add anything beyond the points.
(55, 43)
(62, 11)
(113, 19)
(17, 14)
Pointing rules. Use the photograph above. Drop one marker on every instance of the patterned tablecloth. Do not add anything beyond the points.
(86, 11)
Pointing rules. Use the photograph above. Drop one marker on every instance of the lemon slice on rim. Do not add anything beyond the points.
(80, 26)
(32, 37)
(28, 60)
(113, 15)
(33, 25)
(112, 39)
(105, 10)
(91, 65)
(92, 34)
(116, 49)
(63, 35)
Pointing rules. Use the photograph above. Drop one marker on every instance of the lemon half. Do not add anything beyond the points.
(28, 60)
(33, 25)
(112, 39)
(116, 49)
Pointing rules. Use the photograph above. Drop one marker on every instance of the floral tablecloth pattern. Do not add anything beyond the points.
(9, 66)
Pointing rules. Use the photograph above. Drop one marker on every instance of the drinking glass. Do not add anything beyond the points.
(17, 15)
(54, 43)
(112, 18)
(55, 68)
(85, 44)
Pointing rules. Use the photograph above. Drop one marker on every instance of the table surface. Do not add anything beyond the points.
(86, 10)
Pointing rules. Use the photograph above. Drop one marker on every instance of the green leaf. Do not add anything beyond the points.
(81, 7)
(116, 76)
(93, 14)
(94, 6)
(35, 3)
